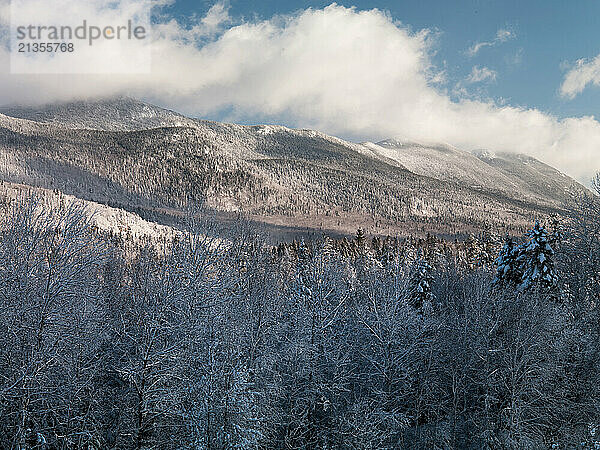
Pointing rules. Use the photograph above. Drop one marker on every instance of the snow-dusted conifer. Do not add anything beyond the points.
(328, 249)
(421, 281)
(537, 259)
(360, 237)
(508, 265)
(475, 252)
(558, 235)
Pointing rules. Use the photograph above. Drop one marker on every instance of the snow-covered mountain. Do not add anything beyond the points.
(122, 114)
(513, 175)
(145, 159)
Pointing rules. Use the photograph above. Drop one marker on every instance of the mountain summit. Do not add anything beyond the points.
(120, 114)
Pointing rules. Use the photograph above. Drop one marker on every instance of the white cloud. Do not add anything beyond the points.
(502, 35)
(480, 74)
(214, 22)
(578, 77)
(217, 16)
(358, 74)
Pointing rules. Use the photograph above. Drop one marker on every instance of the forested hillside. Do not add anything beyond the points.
(274, 174)
(204, 342)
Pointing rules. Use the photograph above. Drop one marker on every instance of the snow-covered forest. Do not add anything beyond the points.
(209, 341)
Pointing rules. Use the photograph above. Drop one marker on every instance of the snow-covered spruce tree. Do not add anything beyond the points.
(537, 260)
(421, 294)
(509, 268)
(475, 252)
(360, 237)
(360, 243)
(329, 247)
(557, 236)
(364, 256)
(491, 247)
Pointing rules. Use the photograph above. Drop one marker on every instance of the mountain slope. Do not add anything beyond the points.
(277, 175)
(109, 220)
(512, 175)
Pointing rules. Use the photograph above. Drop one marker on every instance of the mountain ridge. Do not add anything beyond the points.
(272, 173)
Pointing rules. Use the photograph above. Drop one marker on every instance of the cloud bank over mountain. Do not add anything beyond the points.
(359, 74)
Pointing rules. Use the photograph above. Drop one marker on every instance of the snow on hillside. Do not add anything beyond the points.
(443, 162)
(111, 220)
(516, 175)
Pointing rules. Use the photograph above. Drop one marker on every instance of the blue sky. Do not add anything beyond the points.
(549, 36)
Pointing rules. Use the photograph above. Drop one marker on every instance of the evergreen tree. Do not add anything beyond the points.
(361, 242)
(508, 266)
(421, 281)
(491, 247)
(360, 236)
(557, 236)
(329, 249)
(537, 259)
(474, 252)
